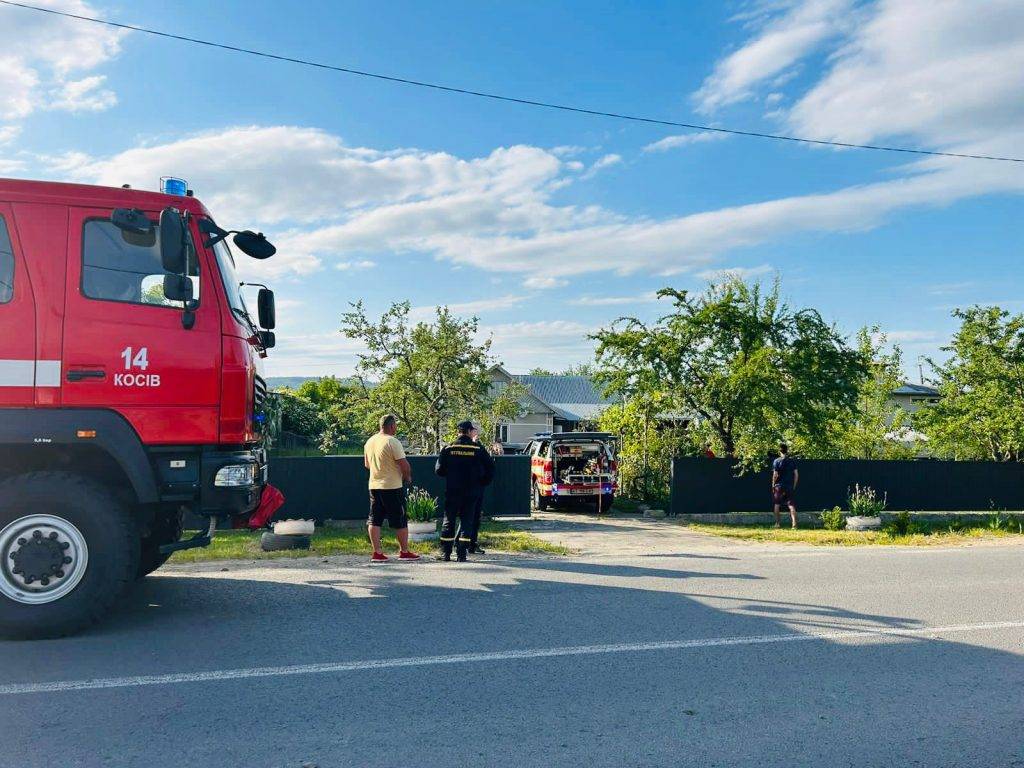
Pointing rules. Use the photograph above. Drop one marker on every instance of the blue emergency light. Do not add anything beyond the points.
(172, 186)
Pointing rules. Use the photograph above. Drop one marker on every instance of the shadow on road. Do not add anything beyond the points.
(793, 703)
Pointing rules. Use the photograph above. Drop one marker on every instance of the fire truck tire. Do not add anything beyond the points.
(82, 548)
(271, 542)
(167, 531)
(539, 502)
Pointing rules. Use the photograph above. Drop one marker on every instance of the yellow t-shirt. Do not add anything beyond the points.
(382, 453)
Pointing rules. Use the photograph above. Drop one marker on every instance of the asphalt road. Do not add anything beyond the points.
(687, 652)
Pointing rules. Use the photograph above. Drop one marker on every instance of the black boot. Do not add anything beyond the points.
(446, 552)
(460, 554)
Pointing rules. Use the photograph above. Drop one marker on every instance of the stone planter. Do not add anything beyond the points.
(422, 531)
(863, 523)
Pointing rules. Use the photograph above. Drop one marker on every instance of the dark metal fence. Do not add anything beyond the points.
(710, 486)
(334, 487)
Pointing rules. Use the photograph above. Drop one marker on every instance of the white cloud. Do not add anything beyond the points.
(40, 53)
(744, 273)
(945, 289)
(944, 72)
(786, 33)
(329, 202)
(614, 301)
(544, 282)
(607, 161)
(348, 266)
(470, 308)
(548, 344)
(684, 139)
(912, 336)
(83, 95)
(9, 133)
(313, 354)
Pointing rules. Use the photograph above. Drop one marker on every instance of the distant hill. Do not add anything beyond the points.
(294, 382)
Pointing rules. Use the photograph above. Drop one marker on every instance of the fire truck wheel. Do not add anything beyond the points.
(166, 531)
(271, 542)
(68, 551)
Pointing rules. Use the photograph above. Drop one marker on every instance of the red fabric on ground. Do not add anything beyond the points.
(270, 502)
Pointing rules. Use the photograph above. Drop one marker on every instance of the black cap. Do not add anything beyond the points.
(465, 426)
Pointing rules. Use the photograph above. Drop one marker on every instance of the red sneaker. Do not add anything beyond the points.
(408, 556)
(378, 557)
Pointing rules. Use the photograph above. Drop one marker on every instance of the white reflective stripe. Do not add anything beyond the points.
(27, 373)
(47, 373)
(17, 373)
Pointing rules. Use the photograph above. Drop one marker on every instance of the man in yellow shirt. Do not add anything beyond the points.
(390, 472)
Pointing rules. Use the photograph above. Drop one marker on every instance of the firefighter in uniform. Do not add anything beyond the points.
(467, 468)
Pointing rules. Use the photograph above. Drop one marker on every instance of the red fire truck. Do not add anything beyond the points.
(130, 392)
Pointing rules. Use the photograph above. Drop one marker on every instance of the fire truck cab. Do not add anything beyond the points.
(130, 392)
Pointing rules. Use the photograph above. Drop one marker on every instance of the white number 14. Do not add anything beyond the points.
(140, 360)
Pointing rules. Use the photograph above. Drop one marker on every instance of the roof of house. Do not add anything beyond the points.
(916, 389)
(573, 398)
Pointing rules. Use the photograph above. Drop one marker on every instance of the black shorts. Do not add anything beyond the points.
(388, 504)
(783, 496)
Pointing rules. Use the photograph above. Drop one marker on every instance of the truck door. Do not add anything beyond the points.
(17, 321)
(125, 346)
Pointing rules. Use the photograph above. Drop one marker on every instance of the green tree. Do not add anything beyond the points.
(342, 408)
(747, 368)
(874, 429)
(430, 375)
(981, 413)
(647, 444)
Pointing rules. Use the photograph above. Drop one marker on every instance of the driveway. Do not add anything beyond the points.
(671, 649)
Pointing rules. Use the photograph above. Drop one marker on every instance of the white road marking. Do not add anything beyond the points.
(471, 658)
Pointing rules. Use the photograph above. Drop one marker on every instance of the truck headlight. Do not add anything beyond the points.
(235, 475)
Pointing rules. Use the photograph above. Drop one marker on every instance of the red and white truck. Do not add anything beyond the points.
(130, 392)
(571, 467)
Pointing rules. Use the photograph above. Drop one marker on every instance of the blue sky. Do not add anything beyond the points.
(548, 225)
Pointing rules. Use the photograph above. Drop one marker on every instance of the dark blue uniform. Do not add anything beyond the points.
(467, 468)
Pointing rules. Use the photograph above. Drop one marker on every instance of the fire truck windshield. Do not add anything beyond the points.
(226, 265)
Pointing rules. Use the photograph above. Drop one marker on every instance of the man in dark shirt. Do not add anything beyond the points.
(785, 478)
(466, 468)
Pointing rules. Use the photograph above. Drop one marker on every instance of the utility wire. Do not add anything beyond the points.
(501, 97)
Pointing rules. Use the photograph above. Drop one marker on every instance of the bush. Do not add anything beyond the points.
(864, 501)
(833, 519)
(420, 506)
(904, 525)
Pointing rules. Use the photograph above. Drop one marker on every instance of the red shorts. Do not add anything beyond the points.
(783, 496)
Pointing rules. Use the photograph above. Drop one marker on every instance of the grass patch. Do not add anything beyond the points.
(245, 545)
(927, 534)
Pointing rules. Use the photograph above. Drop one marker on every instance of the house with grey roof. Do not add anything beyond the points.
(914, 397)
(552, 404)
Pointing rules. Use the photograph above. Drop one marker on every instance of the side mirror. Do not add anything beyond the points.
(131, 220)
(254, 244)
(265, 309)
(177, 288)
(267, 339)
(172, 242)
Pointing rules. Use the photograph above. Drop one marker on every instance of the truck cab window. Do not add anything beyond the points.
(6, 264)
(125, 266)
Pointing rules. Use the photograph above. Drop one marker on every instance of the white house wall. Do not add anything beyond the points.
(523, 429)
